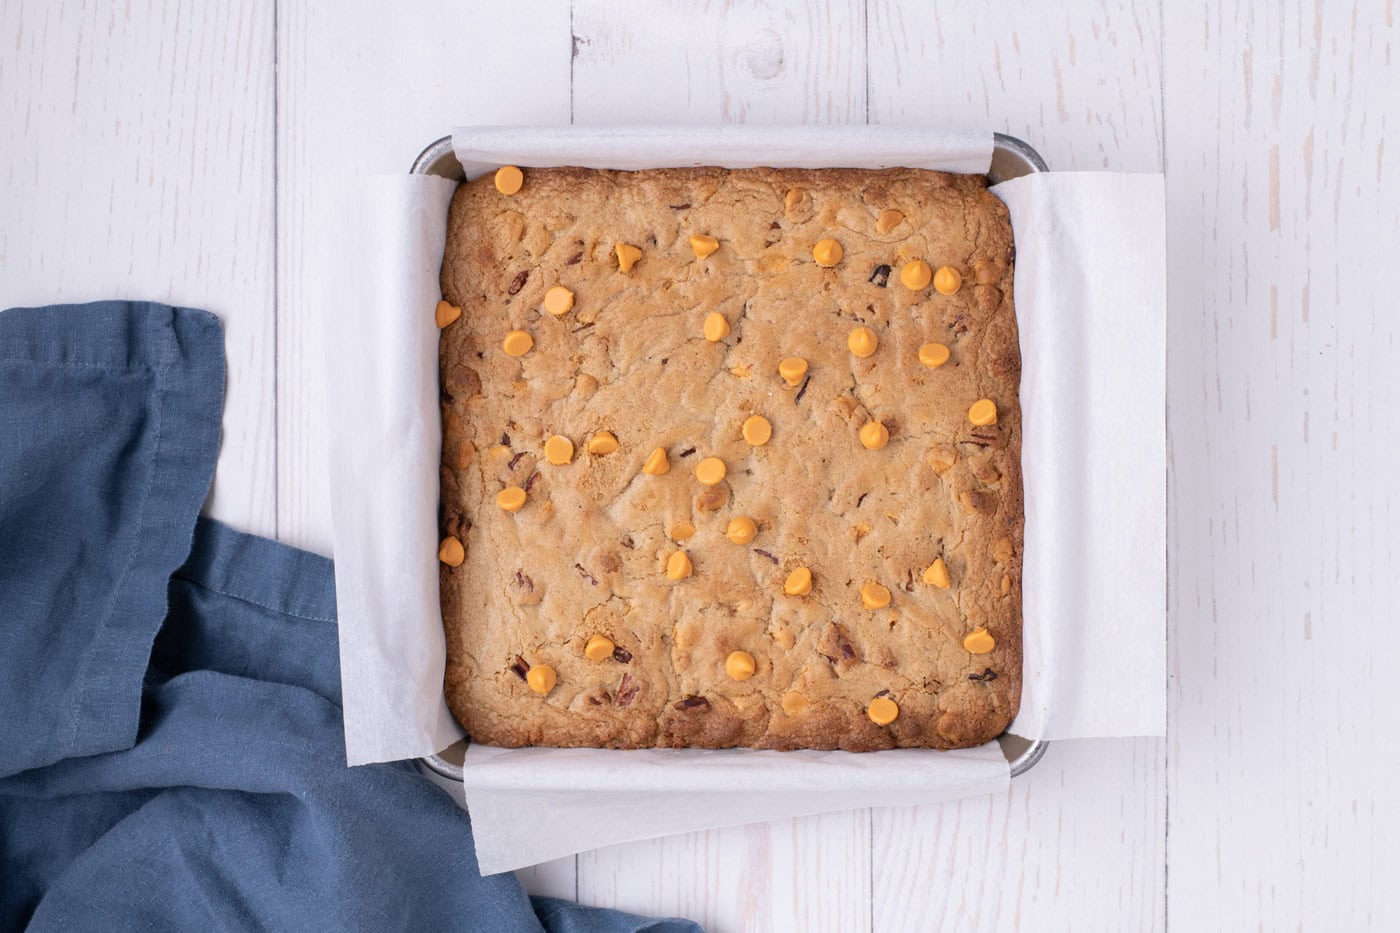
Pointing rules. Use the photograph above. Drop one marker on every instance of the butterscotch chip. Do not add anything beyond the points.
(874, 595)
(703, 245)
(887, 221)
(710, 471)
(874, 436)
(451, 552)
(604, 442)
(916, 275)
(741, 530)
(588, 554)
(937, 574)
(792, 370)
(627, 256)
(511, 499)
(716, 328)
(541, 678)
(739, 665)
(757, 430)
(678, 566)
(947, 280)
(657, 463)
(798, 583)
(862, 341)
(979, 641)
(827, 253)
(517, 343)
(509, 179)
(933, 355)
(558, 300)
(983, 412)
(446, 313)
(559, 450)
(599, 648)
(882, 711)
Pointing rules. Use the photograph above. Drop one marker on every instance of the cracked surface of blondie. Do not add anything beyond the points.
(586, 554)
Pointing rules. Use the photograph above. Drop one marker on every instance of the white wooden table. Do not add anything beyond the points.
(180, 151)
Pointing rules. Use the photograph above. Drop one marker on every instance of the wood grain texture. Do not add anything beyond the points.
(809, 874)
(1080, 82)
(1076, 844)
(1081, 85)
(555, 878)
(137, 163)
(1282, 334)
(779, 61)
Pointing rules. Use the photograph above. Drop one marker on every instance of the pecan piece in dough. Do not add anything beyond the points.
(627, 690)
(979, 500)
(835, 645)
(711, 499)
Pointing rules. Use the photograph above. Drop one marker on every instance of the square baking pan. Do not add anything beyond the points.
(1011, 158)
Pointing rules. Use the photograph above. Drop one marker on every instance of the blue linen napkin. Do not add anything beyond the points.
(171, 749)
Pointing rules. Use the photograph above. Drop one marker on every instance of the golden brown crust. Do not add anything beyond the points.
(585, 554)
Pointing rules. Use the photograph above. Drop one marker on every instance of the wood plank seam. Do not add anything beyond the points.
(1167, 613)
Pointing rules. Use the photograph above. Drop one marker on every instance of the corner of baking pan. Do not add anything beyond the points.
(448, 762)
(437, 158)
(1011, 158)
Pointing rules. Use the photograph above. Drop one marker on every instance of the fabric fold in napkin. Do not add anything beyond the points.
(109, 421)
